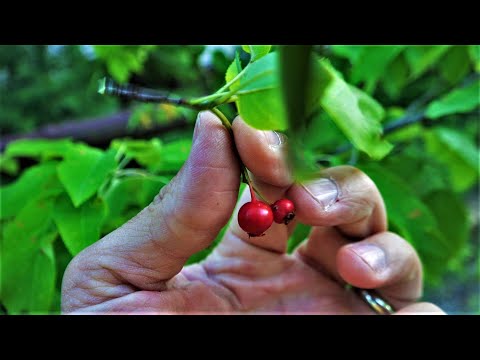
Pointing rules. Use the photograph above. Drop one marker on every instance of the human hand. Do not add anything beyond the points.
(139, 268)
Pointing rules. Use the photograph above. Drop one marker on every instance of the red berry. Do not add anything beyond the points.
(283, 211)
(255, 217)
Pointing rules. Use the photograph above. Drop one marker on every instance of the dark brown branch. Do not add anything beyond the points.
(97, 132)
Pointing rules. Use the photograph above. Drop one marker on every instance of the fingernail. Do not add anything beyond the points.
(373, 255)
(197, 122)
(323, 190)
(275, 139)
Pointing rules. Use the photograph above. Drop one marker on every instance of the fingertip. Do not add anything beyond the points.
(362, 265)
(263, 153)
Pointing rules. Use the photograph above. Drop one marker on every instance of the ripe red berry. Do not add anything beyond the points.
(255, 218)
(283, 211)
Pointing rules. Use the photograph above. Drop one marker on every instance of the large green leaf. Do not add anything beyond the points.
(36, 182)
(457, 152)
(28, 264)
(259, 97)
(413, 220)
(257, 51)
(80, 226)
(421, 58)
(372, 62)
(347, 109)
(83, 172)
(461, 100)
(296, 72)
(39, 148)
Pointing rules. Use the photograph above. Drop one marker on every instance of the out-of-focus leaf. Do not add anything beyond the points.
(8, 165)
(145, 152)
(474, 52)
(457, 152)
(455, 64)
(372, 62)
(415, 166)
(127, 196)
(299, 234)
(395, 77)
(122, 60)
(370, 107)
(174, 155)
(351, 52)
(296, 75)
(421, 58)
(28, 263)
(344, 107)
(80, 226)
(39, 181)
(39, 148)
(257, 51)
(461, 100)
(452, 219)
(413, 220)
(83, 172)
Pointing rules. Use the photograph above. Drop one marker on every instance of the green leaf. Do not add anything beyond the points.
(296, 76)
(421, 58)
(352, 114)
(423, 172)
(122, 60)
(129, 195)
(232, 71)
(39, 181)
(372, 62)
(28, 264)
(39, 148)
(452, 219)
(413, 220)
(455, 64)
(299, 234)
(259, 98)
(8, 165)
(461, 100)
(370, 107)
(174, 155)
(257, 51)
(145, 152)
(351, 52)
(457, 152)
(80, 226)
(474, 52)
(83, 172)
(395, 77)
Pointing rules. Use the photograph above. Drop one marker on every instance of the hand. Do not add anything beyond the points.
(139, 267)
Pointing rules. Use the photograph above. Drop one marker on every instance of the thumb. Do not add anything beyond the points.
(183, 218)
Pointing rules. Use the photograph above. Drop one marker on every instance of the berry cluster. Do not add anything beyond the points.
(255, 217)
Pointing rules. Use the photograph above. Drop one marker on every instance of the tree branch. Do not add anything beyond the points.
(97, 131)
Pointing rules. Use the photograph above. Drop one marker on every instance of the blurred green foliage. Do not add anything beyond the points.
(70, 194)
